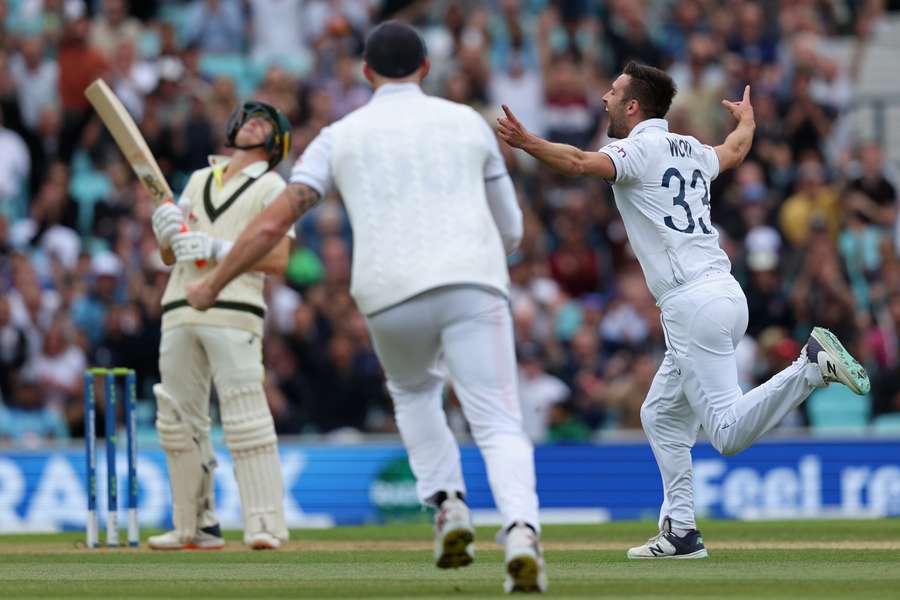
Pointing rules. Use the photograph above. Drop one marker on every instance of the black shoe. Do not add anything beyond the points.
(668, 545)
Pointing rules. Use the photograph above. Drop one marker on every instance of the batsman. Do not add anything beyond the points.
(222, 345)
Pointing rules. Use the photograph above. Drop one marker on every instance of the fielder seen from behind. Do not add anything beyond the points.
(433, 213)
(222, 344)
(661, 185)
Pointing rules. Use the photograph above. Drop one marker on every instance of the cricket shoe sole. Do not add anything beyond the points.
(836, 364)
(457, 549)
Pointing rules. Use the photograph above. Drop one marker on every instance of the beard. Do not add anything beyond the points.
(616, 128)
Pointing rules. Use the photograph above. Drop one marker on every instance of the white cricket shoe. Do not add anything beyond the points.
(263, 540)
(454, 536)
(208, 538)
(666, 544)
(524, 561)
(835, 363)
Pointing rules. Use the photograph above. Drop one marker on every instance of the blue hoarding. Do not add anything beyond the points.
(327, 485)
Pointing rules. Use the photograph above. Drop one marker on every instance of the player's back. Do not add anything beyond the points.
(410, 169)
(662, 192)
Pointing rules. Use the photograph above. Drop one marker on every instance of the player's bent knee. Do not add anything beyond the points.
(648, 418)
(725, 446)
(246, 420)
(250, 435)
(174, 434)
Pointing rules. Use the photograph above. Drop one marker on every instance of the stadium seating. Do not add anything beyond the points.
(836, 407)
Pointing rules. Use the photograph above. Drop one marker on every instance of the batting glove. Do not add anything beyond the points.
(192, 246)
(167, 221)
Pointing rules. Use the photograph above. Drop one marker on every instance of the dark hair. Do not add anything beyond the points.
(394, 50)
(651, 87)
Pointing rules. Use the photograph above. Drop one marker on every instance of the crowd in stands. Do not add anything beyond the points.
(810, 220)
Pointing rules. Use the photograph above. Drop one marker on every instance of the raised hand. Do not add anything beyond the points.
(512, 131)
(742, 110)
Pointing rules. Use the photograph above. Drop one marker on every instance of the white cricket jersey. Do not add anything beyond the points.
(662, 192)
(223, 209)
(411, 170)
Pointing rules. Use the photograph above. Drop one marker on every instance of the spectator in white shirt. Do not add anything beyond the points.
(15, 166)
(538, 392)
(36, 81)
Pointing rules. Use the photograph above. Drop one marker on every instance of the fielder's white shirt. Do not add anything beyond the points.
(411, 170)
(662, 192)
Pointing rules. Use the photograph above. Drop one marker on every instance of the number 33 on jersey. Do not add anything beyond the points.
(662, 192)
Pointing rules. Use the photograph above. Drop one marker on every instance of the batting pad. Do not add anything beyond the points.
(185, 462)
(250, 435)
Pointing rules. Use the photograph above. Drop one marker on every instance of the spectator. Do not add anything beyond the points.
(751, 40)
(570, 119)
(112, 28)
(216, 25)
(59, 366)
(700, 84)
(574, 264)
(79, 65)
(628, 38)
(538, 392)
(522, 89)
(806, 122)
(36, 78)
(14, 167)
(27, 420)
(814, 204)
(89, 311)
(768, 304)
(626, 392)
(13, 350)
(277, 32)
(878, 202)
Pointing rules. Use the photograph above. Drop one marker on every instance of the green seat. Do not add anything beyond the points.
(836, 407)
(177, 15)
(231, 66)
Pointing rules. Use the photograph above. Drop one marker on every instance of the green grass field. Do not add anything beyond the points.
(796, 559)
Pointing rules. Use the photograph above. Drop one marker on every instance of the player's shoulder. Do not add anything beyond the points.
(456, 109)
(271, 179)
(629, 148)
(271, 176)
(197, 179)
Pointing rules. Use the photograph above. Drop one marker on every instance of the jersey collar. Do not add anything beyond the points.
(253, 170)
(391, 89)
(648, 124)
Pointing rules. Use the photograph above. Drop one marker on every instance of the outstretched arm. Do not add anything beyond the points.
(736, 146)
(566, 159)
(255, 242)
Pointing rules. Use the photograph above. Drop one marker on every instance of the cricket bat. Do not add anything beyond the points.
(132, 144)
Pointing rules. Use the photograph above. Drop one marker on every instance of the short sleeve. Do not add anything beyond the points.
(709, 160)
(494, 166)
(629, 157)
(313, 168)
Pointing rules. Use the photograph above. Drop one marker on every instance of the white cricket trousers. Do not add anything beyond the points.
(471, 328)
(697, 384)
